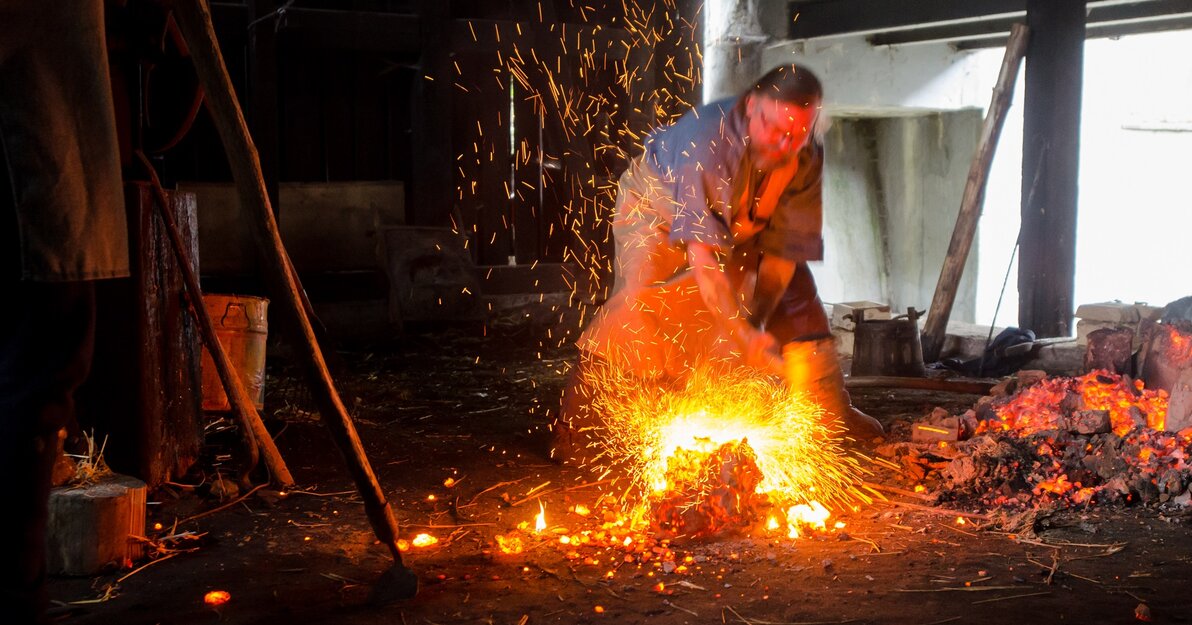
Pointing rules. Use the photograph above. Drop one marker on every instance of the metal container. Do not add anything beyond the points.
(242, 326)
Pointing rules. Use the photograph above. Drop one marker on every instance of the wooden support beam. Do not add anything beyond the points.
(936, 327)
(1051, 146)
(825, 18)
(194, 19)
(1122, 18)
(1106, 30)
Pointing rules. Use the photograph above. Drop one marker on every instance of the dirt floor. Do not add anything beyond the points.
(453, 406)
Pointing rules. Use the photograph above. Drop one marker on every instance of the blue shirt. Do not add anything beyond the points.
(703, 158)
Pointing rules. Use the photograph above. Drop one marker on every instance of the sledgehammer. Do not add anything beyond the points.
(194, 20)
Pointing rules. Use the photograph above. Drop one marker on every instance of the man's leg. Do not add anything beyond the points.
(801, 326)
(573, 435)
(46, 342)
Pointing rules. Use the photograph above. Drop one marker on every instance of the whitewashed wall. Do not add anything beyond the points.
(1136, 147)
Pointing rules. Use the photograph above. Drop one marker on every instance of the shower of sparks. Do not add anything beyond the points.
(593, 91)
(649, 432)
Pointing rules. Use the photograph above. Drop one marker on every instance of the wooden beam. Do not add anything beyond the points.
(824, 18)
(1141, 15)
(936, 327)
(1097, 31)
(1051, 147)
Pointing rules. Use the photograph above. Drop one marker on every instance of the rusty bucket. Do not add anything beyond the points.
(242, 328)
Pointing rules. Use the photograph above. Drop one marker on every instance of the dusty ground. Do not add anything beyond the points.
(434, 407)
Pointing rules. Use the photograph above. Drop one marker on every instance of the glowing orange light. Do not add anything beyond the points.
(510, 544)
(540, 518)
(813, 515)
(582, 510)
(424, 540)
(599, 609)
(217, 597)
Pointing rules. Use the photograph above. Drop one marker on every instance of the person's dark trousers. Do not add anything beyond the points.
(46, 342)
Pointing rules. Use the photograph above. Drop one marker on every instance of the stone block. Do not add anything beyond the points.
(866, 309)
(1113, 312)
(1179, 408)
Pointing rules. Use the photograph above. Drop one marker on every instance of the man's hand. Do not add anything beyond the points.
(762, 352)
(759, 349)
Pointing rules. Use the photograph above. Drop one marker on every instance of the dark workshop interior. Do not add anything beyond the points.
(444, 311)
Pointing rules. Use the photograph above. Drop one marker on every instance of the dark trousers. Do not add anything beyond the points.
(46, 343)
(800, 314)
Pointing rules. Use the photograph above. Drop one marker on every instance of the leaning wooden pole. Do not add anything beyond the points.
(974, 196)
(238, 397)
(194, 19)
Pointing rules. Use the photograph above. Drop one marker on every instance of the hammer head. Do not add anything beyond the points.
(397, 584)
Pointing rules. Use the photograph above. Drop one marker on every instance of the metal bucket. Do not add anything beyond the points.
(242, 328)
(889, 346)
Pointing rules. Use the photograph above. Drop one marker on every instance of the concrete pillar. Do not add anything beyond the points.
(733, 47)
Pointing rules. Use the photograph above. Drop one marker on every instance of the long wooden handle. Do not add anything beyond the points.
(194, 19)
(242, 404)
(974, 195)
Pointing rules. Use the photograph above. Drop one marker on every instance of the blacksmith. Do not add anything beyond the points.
(62, 226)
(715, 224)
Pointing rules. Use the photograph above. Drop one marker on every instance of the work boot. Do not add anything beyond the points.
(812, 368)
(573, 431)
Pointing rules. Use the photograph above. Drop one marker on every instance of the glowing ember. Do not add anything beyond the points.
(1176, 346)
(813, 515)
(424, 540)
(1038, 407)
(707, 493)
(716, 453)
(540, 518)
(217, 597)
(510, 544)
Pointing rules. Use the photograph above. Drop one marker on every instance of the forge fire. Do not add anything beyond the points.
(723, 452)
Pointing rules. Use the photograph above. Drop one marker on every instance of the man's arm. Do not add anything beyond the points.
(774, 274)
(759, 348)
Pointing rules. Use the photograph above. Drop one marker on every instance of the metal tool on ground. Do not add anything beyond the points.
(194, 20)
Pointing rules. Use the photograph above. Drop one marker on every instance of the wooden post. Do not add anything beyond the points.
(194, 19)
(238, 397)
(936, 326)
(1050, 145)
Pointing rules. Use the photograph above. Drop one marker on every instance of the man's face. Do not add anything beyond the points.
(777, 129)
